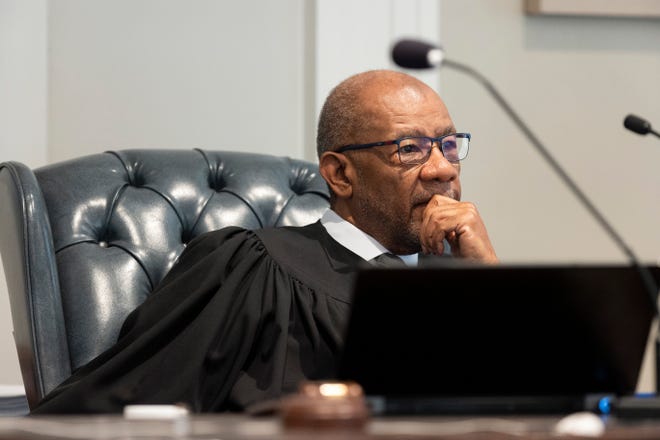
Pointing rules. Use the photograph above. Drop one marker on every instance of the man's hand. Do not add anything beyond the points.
(461, 225)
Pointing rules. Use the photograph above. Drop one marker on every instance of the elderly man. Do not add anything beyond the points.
(245, 315)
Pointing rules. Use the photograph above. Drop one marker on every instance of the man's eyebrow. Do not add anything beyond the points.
(446, 131)
(420, 133)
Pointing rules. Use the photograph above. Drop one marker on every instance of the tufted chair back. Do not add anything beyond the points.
(83, 242)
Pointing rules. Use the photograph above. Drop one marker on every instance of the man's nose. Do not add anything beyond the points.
(438, 167)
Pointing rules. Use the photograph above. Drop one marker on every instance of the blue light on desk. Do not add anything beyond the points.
(605, 405)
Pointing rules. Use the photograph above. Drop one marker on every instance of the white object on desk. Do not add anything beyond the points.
(12, 390)
(583, 423)
(158, 412)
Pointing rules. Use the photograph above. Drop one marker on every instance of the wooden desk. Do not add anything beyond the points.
(238, 427)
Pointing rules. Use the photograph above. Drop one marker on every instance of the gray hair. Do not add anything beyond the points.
(342, 117)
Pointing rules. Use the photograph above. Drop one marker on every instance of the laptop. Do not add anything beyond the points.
(472, 339)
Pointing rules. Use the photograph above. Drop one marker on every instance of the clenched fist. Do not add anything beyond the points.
(461, 225)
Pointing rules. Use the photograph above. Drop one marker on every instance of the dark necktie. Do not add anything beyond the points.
(388, 260)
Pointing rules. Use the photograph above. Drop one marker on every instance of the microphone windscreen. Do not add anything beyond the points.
(412, 54)
(636, 124)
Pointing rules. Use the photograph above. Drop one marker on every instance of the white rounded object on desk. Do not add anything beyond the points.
(160, 412)
(583, 423)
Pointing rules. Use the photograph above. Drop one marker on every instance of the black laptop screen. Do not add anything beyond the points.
(497, 331)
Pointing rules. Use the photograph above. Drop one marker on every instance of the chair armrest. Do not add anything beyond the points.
(26, 242)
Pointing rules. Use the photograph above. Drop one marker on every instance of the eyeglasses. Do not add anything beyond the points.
(417, 149)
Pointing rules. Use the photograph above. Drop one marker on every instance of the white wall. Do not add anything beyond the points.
(23, 81)
(573, 80)
(23, 121)
(362, 40)
(176, 74)
(248, 75)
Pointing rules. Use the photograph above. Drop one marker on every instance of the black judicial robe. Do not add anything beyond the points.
(242, 317)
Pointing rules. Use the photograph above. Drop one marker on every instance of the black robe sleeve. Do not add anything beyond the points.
(228, 326)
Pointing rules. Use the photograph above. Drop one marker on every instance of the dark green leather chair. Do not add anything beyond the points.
(85, 241)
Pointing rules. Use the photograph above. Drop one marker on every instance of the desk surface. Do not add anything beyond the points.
(239, 427)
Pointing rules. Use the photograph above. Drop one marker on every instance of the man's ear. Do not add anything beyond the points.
(336, 170)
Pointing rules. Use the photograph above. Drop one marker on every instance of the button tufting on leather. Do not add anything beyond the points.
(297, 182)
(297, 188)
(218, 182)
(137, 180)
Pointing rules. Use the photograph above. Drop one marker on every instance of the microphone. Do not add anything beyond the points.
(415, 54)
(639, 125)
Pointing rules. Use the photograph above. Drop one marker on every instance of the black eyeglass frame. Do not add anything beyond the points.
(397, 142)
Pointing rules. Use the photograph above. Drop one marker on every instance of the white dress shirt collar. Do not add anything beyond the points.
(356, 240)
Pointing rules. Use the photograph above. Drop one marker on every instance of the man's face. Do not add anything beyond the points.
(389, 197)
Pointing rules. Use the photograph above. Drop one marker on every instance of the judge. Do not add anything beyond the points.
(245, 315)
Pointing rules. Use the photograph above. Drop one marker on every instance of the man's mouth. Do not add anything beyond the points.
(424, 200)
(421, 203)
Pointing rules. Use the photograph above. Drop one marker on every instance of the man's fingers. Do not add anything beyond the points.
(460, 224)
